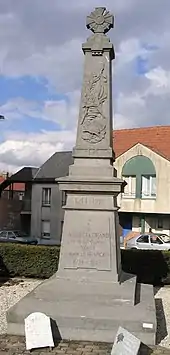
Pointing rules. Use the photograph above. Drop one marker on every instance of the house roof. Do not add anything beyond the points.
(156, 138)
(17, 186)
(24, 175)
(56, 166)
(18, 179)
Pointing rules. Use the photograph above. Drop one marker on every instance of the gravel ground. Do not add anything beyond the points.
(13, 290)
(10, 293)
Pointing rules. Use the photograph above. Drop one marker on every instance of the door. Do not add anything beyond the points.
(143, 242)
(156, 243)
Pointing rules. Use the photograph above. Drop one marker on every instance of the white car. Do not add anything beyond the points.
(148, 241)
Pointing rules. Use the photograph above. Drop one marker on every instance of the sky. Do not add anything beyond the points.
(41, 67)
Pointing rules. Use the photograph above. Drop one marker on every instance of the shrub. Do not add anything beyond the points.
(28, 261)
(150, 266)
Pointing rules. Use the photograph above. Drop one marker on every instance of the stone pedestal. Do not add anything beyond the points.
(90, 296)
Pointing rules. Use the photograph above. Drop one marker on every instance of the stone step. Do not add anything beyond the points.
(87, 318)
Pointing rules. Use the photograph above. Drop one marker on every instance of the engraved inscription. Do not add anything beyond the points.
(94, 96)
(87, 201)
(89, 250)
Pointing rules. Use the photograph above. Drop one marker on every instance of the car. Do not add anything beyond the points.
(148, 241)
(16, 236)
(164, 236)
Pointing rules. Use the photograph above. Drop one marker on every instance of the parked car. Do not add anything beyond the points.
(15, 236)
(148, 241)
(164, 236)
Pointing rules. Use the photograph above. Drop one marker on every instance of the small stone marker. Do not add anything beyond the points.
(125, 343)
(38, 331)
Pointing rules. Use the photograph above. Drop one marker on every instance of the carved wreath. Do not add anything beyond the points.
(95, 94)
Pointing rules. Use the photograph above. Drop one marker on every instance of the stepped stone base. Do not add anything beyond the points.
(89, 311)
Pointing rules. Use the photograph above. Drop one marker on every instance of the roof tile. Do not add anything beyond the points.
(156, 138)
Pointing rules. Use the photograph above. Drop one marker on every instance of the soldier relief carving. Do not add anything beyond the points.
(95, 94)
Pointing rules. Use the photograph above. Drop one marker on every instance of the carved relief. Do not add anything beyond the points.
(95, 94)
(100, 20)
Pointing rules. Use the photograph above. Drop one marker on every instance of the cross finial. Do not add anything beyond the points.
(100, 20)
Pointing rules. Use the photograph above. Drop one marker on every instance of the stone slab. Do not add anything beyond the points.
(125, 343)
(38, 331)
(86, 317)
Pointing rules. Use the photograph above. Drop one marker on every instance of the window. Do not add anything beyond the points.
(45, 229)
(140, 222)
(46, 197)
(11, 235)
(156, 240)
(3, 234)
(21, 195)
(160, 223)
(143, 239)
(130, 188)
(148, 186)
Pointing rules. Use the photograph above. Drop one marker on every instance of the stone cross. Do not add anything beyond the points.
(100, 20)
(94, 133)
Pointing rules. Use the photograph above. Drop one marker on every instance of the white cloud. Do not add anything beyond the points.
(33, 149)
(159, 81)
(64, 112)
(18, 108)
(60, 65)
(131, 110)
(43, 38)
(129, 50)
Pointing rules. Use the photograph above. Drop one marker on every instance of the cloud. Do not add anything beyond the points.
(17, 108)
(21, 149)
(64, 112)
(43, 39)
(159, 81)
(131, 111)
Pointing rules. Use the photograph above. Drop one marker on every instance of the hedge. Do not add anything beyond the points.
(28, 261)
(150, 266)
(42, 262)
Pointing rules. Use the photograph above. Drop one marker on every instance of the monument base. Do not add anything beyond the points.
(90, 311)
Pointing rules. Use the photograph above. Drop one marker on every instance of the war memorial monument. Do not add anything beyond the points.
(90, 297)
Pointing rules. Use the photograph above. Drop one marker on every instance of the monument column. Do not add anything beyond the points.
(90, 246)
(90, 297)
(94, 133)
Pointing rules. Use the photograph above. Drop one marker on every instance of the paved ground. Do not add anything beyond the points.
(13, 290)
(14, 345)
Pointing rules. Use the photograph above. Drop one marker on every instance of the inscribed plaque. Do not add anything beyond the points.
(38, 331)
(125, 343)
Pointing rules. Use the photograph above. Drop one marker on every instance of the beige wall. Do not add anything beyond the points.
(151, 222)
(162, 202)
